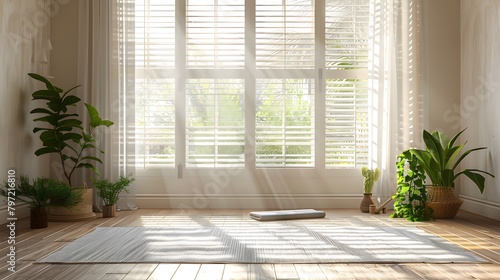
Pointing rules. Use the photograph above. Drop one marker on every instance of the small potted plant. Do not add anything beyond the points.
(370, 177)
(39, 195)
(61, 133)
(110, 191)
(440, 160)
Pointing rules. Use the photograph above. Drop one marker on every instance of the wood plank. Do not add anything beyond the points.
(24, 269)
(236, 271)
(310, 271)
(425, 271)
(74, 271)
(113, 276)
(141, 271)
(95, 271)
(364, 271)
(164, 271)
(210, 272)
(51, 272)
(261, 271)
(285, 271)
(186, 271)
(121, 268)
(336, 271)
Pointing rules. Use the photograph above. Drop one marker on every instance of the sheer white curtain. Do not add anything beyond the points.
(95, 64)
(397, 113)
(395, 90)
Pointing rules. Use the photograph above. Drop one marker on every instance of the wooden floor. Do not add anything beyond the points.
(478, 234)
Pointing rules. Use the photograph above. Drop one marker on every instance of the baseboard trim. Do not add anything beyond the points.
(248, 201)
(481, 207)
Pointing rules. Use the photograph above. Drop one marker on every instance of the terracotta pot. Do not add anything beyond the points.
(108, 211)
(38, 217)
(366, 202)
(443, 201)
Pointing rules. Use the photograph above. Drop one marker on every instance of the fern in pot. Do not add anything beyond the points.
(110, 191)
(40, 193)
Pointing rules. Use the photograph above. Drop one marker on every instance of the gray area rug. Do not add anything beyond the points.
(261, 244)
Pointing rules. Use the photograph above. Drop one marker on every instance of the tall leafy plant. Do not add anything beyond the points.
(62, 132)
(441, 159)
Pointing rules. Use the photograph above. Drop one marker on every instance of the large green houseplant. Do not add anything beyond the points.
(39, 194)
(441, 160)
(62, 133)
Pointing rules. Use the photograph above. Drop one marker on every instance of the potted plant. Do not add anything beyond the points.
(39, 196)
(440, 161)
(370, 177)
(62, 134)
(109, 192)
(411, 195)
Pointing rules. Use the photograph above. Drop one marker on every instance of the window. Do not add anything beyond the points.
(259, 83)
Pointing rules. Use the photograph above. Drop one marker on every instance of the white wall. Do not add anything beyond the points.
(24, 25)
(64, 36)
(480, 101)
(441, 63)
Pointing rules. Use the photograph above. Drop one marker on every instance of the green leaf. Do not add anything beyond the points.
(69, 90)
(106, 123)
(426, 161)
(39, 78)
(441, 138)
(452, 141)
(41, 111)
(48, 84)
(447, 176)
(466, 154)
(434, 147)
(45, 94)
(92, 158)
(95, 119)
(36, 129)
(70, 123)
(48, 136)
(57, 106)
(71, 136)
(63, 116)
(477, 178)
(46, 150)
(73, 159)
(70, 100)
(87, 137)
(450, 154)
(89, 166)
(88, 146)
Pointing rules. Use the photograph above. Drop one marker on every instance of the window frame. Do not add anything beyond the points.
(250, 74)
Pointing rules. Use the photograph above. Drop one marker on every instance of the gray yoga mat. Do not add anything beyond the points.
(287, 214)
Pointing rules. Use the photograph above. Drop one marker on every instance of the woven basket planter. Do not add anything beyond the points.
(443, 201)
